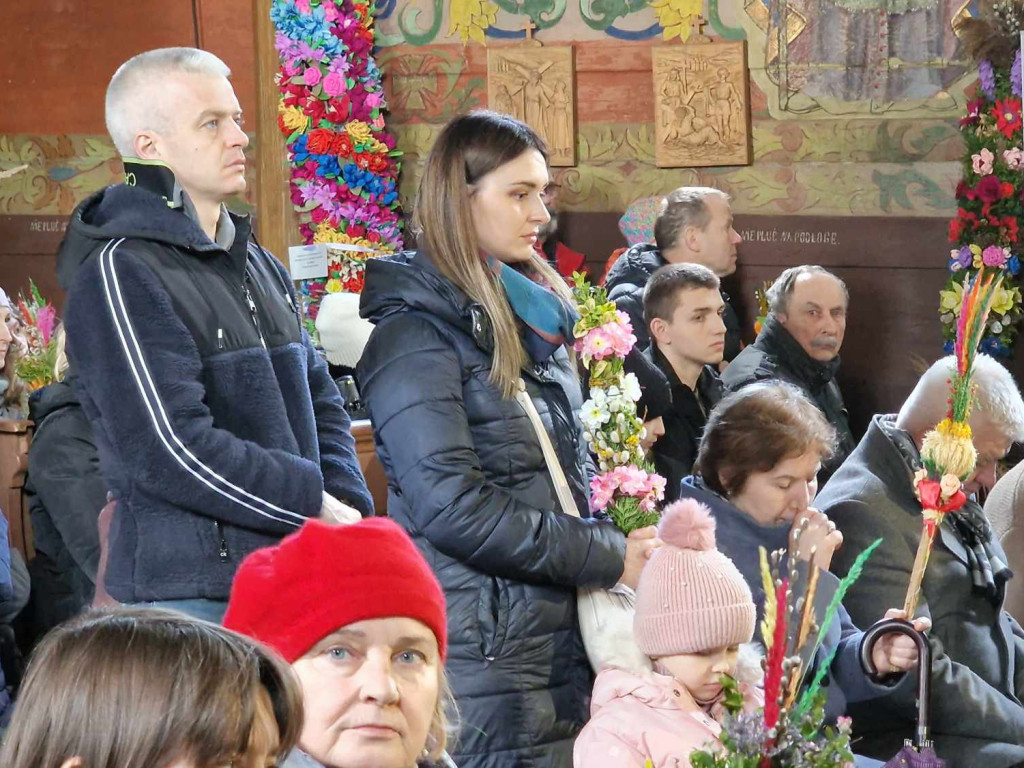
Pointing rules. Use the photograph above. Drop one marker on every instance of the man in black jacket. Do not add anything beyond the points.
(695, 227)
(683, 309)
(218, 427)
(800, 343)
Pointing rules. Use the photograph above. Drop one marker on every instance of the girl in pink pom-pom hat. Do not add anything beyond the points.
(694, 616)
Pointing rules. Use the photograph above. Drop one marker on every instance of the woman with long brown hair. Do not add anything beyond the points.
(150, 687)
(472, 319)
(13, 392)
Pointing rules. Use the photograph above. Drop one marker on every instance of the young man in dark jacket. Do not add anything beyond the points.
(800, 343)
(694, 227)
(219, 429)
(683, 310)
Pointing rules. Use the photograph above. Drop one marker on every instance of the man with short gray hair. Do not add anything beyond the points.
(977, 718)
(799, 343)
(695, 226)
(218, 426)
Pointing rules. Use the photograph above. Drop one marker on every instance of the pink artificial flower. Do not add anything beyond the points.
(595, 345)
(993, 256)
(302, 6)
(334, 84)
(632, 480)
(46, 319)
(982, 162)
(1014, 158)
(374, 100)
(602, 488)
(312, 76)
(378, 123)
(331, 12)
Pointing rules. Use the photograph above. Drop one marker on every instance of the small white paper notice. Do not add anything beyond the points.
(306, 262)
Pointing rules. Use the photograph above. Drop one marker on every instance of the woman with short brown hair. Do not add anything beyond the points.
(757, 469)
(154, 688)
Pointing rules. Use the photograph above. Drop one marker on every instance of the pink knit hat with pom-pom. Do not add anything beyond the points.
(691, 598)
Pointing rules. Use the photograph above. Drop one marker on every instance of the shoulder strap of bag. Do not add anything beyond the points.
(550, 457)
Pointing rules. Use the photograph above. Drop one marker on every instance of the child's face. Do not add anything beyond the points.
(699, 673)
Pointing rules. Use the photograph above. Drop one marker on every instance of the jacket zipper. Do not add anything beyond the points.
(223, 551)
(253, 313)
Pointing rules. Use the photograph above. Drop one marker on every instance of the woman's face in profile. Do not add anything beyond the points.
(507, 208)
(369, 691)
(783, 492)
(6, 334)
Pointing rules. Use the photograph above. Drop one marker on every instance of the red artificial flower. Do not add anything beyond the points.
(1006, 189)
(1007, 115)
(319, 142)
(319, 215)
(343, 145)
(315, 109)
(354, 284)
(355, 230)
(1009, 224)
(931, 497)
(988, 189)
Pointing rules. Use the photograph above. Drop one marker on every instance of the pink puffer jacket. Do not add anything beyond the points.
(639, 718)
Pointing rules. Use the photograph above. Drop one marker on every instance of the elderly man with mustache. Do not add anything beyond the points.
(800, 343)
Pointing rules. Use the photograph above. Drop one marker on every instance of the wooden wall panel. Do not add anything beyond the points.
(58, 56)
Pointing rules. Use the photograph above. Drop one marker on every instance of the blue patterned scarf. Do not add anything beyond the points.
(548, 319)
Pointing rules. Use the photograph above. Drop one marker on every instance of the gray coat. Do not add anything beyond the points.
(977, 648)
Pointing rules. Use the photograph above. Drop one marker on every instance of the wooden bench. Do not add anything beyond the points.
(15, 436)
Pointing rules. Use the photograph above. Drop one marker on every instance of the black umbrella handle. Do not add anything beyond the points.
(924, 669)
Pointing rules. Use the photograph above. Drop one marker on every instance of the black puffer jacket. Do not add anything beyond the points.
(65, 491)
(776, 355)
(626, 282)
(467, 479)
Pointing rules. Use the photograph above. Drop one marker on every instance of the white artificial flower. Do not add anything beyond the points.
(631, 387)
(949, 485)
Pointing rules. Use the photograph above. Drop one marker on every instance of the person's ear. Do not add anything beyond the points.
(145, 146)
(659, 330)
(691, 237)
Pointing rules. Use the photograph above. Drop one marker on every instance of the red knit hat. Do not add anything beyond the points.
(324, 577)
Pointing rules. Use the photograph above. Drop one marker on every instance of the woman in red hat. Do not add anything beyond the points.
(360, 617)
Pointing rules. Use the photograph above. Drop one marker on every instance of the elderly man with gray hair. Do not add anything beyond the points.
(977, 648)
(218, 426)
(799, 343)
(694, 227)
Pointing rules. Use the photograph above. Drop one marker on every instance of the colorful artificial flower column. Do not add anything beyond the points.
(344, 164)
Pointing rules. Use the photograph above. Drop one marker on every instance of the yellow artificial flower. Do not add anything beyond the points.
(471, 18)
(333, 285)
(1005, 299)
(293, 118)
(325, 233)
(950, 301)
(675, 16)
(359, 132)
(958, 429)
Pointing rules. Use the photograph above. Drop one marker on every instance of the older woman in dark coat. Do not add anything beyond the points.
(757, 469)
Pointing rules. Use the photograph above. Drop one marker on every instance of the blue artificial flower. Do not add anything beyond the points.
(1015, 75)
(1013, 265)
(329, 165)
(947, 348)
(987, 78)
